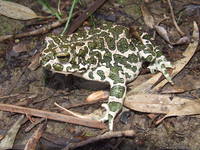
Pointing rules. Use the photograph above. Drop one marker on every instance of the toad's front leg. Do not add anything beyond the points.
(116, 98)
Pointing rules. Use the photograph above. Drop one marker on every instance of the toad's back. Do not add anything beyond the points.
(81, 53)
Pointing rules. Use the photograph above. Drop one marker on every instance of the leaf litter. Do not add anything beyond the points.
(17, 11)
(171, 112)
(146, 87)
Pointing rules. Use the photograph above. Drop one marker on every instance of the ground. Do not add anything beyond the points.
(39, 89)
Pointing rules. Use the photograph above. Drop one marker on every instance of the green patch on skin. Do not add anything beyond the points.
(46, 50)
(120, 59)
(80, 43)
(107, 58)
(52, 47)
(82, 52)
(150, 47)
(122, 45)
(48, 67)
(104, 34)
(133, 58)
(116, 31)
(140, 46)
(92, 45)
(101, 74)
(116, 69)
(149, 58)
(159, 61)
(99, 43)
(165, 72)
(107, 25)
(65, 47)
(58, 67)
(110, 117)
(134, 68)
(73, 61)
(117, 91)
(82, 34)
(74, 37)
(132, 46)
(158, 53)
(162, 66)
(134, 41)
(93, 31)
(95, 53)
(128, 66)
(127, 75)
(68, 69)
(90, 75)
(115, 77)
(57, 39)
(110, 42)
(150, 52)
(86, 48)
(75, 66)
(147, 37)
(92, 60)
(114, 106)
(47, 58)
(127, 33)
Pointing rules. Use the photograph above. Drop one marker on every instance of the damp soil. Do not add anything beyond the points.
(40, 89)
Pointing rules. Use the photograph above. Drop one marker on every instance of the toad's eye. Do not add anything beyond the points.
(63, 57)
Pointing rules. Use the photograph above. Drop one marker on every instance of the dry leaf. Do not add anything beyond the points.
(35, 62)
(179, 65)
(153, 103)
(34, 140)
(16, 11)
(97, 96)
(148, 18)
(139, 80)
(162, 32)
(96, 115)
(183, 40)
(20, 47)
(8, 141)
(183, 84)
(188, 53)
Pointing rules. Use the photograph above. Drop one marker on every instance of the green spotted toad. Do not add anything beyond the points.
(105, 54)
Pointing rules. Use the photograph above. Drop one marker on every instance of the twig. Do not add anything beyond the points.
(33, 141)
(30, 127)
(79, 20)
(96, 115)
(8, 96)
(41, 30)
(75, 24)
(52, 115)
(174, 20)
(107, 135)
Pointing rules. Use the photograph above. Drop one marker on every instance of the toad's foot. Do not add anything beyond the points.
(109, 116)
(161, 64)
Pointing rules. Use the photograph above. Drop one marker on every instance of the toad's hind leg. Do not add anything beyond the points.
(117, 94)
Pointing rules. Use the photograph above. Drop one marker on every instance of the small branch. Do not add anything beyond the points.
(174, 20)
(75, 24)
(34, 140)
(38, 121)
(41, 30)
(85, 14)
(107, 135)
(52, 115)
